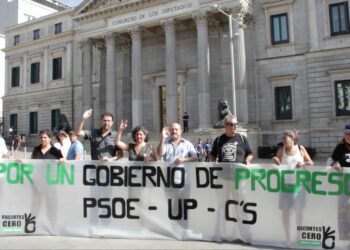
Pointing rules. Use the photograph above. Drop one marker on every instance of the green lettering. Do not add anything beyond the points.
(303, 179)
(241, 174)
(287, 187)
(270, 173)
(13, 165)
(61, 175)
(346, 184)
(2, 168)
(336, 178)
(26, 170)
(315, 183)
(257, 176)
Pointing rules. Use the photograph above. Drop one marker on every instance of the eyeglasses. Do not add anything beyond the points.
(232, 124)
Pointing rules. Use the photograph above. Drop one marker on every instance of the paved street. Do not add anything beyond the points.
(58, 242)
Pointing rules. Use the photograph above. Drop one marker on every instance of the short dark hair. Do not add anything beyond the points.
(45, 132)
(107, 114)
(142, 129)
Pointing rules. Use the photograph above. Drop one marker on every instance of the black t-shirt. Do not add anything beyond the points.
(53, 153)
(341, 154)
(231, 149)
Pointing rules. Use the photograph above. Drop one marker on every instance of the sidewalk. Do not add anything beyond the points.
(59, 242)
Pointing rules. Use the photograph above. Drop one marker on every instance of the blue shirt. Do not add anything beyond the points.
(75, 148)
(172, 151)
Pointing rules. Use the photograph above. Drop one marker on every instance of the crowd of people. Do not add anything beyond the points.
(231, 146)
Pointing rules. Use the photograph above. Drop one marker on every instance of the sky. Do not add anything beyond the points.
(71, 3)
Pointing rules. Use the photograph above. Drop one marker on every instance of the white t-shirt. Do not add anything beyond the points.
(3, 147)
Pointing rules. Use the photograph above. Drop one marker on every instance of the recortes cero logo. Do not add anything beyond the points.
(18, 223)
(321, 236)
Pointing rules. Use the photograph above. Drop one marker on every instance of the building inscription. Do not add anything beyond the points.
(153, 13)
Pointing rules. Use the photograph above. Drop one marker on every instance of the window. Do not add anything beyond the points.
(13, 124)
(33, 122)
(279, 29)
(283, 103)
(342, 97)
(35, 72)
(58, 28)
(339, 18)
(55, 120)
(15, 77)
(16, 40)
(36, 34)
(57, 68)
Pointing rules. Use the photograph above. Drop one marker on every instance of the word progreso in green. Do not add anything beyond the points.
(274, 180)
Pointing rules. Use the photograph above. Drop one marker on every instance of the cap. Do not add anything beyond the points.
(347, 128)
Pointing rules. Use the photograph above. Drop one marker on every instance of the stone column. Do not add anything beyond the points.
(46, 68)
(86, 47)
(240, 72)
(203, 70)
(170, 64)
(111, 94)
(25, 79)
(136, 76)
(102, 96)
(313, 25)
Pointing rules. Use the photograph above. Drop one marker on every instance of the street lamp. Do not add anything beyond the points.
(230, 19)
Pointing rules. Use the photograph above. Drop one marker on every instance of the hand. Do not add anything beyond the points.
(123, 124)
(299, 164)
(276, 160)
(106, 158)
(87, 114)
(147, 158)
(336, 166)
(165, 132)
(179, 160)
(62, 160)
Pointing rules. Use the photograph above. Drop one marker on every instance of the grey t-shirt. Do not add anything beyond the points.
(101, 146)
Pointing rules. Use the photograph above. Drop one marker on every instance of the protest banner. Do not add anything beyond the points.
(261, 204)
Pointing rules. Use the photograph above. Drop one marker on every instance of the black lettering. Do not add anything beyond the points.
(104, 206)
(87, 182)
(228, 205)
(204, 173)
(148, 173)
(249, 211)
(189, 204)
(121, 203)
(116, 173)
(99, 173)
(131, 208)
(133, 176)
(88, 203)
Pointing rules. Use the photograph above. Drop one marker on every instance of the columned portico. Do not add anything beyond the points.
(170, 63)
(86, 46)
(111, 94)
(203, 69)
(136, 76)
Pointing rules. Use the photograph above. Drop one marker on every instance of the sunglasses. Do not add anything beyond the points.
(232, 124)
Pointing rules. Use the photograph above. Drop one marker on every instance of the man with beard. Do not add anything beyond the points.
(175, 149)
(101, 139)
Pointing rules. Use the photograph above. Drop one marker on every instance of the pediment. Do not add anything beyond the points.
(93, 7)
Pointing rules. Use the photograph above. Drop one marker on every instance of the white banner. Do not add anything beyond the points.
(259, 204)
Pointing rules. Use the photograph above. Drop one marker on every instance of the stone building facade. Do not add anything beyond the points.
(148, 61)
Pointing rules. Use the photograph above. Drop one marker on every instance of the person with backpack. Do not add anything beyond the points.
(231, 146)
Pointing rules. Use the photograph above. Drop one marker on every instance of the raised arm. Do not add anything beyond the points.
(160, 148)
(79, 128)
(123, 125)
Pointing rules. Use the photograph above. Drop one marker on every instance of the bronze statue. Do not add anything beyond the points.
(224, 110)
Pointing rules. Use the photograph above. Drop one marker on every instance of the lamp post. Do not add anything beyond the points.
(230, 19)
